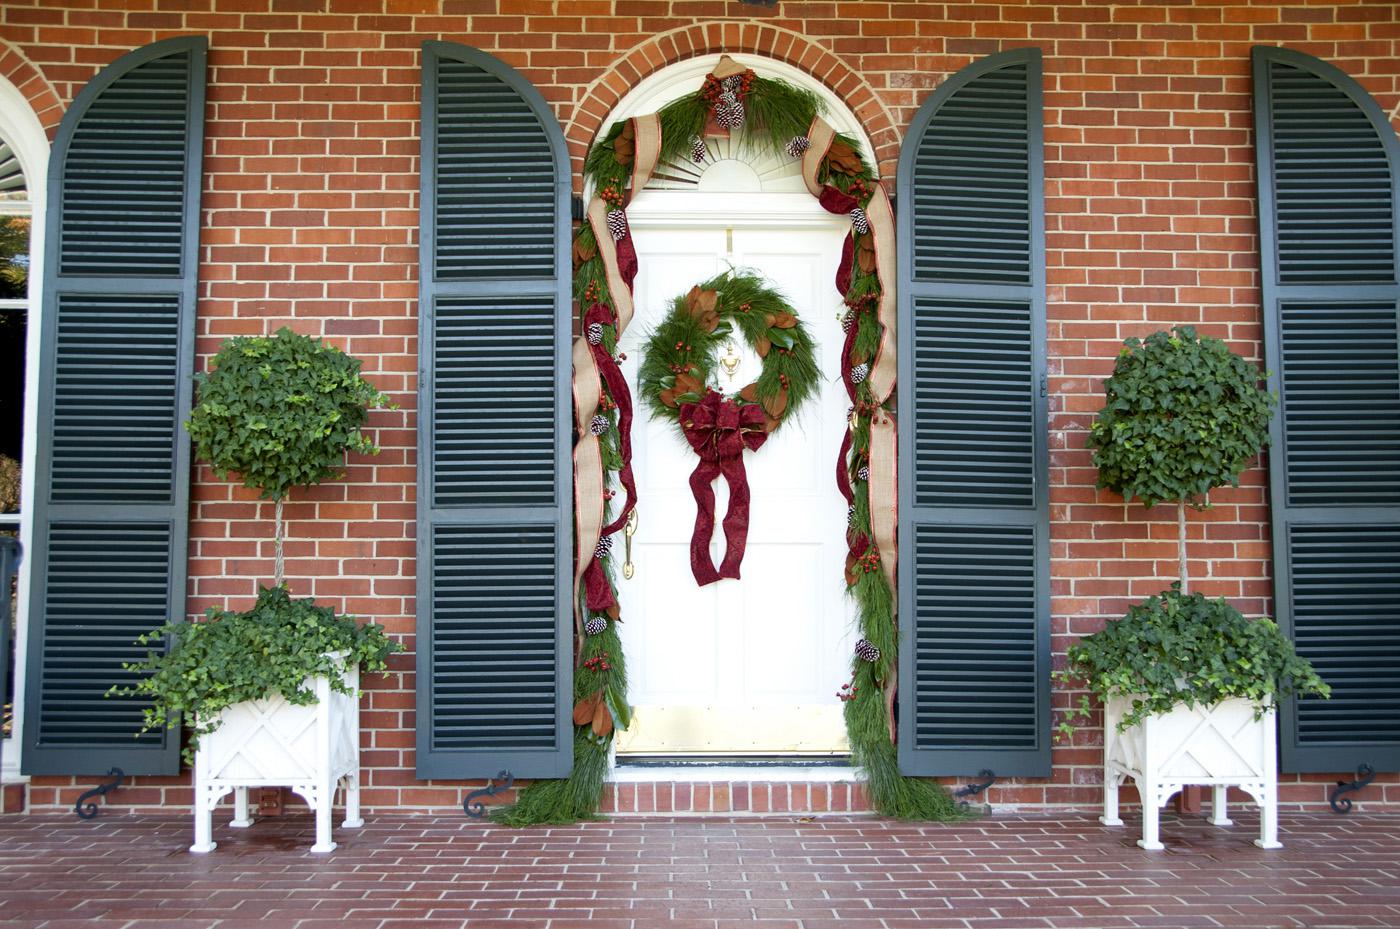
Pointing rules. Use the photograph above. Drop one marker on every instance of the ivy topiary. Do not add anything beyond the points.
(275, 647)
(281, 411)
(1176, 648)
(1184, 415)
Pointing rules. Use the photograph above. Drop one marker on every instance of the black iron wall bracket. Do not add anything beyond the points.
(86, 809)
(985, 778)
(1339, 800)
(473, 806)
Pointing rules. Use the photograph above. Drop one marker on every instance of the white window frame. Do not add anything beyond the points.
(25, 134)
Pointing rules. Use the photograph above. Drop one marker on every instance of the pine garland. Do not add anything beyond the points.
(777, 117)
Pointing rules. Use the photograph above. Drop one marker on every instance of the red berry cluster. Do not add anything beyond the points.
(678, 368)
(682, 347)
(598, 662)
(592, 292)
(606, 403)
(783, 379)
(609, 494)
(611, 196)
(714, 87)
(869, 562)
(848, 691)
(745, 307)
(859, 188)
(865, 303)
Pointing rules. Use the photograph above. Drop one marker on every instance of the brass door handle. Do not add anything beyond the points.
(629, 569)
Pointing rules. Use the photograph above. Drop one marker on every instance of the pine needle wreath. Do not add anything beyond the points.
(679, 358)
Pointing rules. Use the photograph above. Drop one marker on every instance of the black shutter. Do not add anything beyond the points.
(494, 476)
(111, 516)
(1327, 206)
(973, 505)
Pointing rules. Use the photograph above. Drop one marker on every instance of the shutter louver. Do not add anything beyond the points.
(973, 520)
(116, 364)
(494, 502)
(1327, 160)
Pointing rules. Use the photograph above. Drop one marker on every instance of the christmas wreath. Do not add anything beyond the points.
(677, 364)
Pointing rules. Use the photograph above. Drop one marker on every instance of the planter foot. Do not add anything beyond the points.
(353, 823)
(321, 849)
(1113, 821)
(1151, 846)
(1270, 845)
(204, 849)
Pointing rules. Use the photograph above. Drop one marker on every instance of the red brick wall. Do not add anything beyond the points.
(310, 219)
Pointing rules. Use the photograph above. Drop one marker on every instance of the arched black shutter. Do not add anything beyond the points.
(1328, 162)
(112, 507)
(973, 504)
(494, 478)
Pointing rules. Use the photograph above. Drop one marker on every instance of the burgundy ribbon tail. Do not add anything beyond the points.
(719, 430)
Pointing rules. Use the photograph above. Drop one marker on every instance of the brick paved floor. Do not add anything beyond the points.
(431, 872)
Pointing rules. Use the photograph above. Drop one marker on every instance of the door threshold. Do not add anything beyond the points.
(700, 770)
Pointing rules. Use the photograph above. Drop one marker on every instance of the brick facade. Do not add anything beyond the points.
(311, 214)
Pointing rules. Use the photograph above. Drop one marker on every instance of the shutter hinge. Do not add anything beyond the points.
(1045, 385)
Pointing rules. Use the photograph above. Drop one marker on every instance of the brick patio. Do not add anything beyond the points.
(1008, 872)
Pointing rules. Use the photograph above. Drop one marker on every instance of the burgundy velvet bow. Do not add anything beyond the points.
(719, 430)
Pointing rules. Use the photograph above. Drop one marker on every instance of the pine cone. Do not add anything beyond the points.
(851, 515)
(859, 221)
(617, 224)
(595, 333)
(603, 548)
(797, 145)
(599, 425)
(730, 114)
(848, 319)
(733, 84)
(863, 473)
(859, 373)
(699, 152)
(867, 652)
(596, 626)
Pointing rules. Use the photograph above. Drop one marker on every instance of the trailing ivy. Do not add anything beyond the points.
(274, 648)
(1176, 648)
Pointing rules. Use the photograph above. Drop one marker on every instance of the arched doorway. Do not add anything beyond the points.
(745, 667)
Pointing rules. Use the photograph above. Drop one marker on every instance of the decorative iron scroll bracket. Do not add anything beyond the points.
(89, 810)
(1341, 803)
(473, 806)
(985, 778)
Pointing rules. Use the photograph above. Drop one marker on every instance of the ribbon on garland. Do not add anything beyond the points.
(719, 430)
(593, 367)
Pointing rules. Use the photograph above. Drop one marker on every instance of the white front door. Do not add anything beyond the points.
(748, 666)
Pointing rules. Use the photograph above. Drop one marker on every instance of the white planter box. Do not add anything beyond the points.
(272, 743)
(1219, 746)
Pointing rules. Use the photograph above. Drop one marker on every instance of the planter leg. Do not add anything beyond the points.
(325, 798)
(1219, 811)
(1268, 819)
(240, 809)
(353, 820)
(1151, 814)
(204, 800)
(1111, 781)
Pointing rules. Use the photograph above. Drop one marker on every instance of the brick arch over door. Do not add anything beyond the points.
(30, 81)
(738, 38)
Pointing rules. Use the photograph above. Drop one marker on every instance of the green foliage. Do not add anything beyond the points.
(744, 305)
(1176, 648)
(282, 411)
(1183, 415)
(275, 647)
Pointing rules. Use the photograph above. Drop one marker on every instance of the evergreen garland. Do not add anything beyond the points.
(777, 116)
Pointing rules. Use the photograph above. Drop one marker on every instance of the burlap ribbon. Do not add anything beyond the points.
(592, 367)
(719, 430)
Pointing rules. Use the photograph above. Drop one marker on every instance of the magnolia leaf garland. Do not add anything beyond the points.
(677, 370)
(784, 119)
